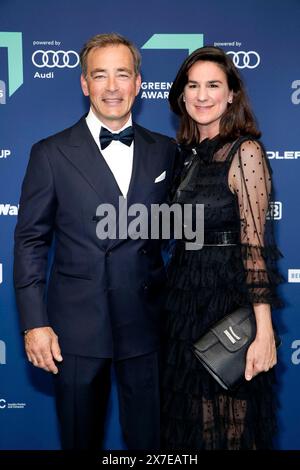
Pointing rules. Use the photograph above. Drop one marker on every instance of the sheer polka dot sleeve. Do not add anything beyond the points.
(250, 179)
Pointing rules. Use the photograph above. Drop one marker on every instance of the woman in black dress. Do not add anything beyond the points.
(225, 168)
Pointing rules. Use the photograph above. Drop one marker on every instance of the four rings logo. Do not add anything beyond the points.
(243, 60)
(59, 59)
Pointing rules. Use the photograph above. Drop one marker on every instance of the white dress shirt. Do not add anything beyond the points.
(118, 156)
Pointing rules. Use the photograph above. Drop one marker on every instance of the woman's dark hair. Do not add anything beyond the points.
(237, 120)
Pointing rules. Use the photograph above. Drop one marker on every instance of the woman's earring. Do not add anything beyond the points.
(183, 99)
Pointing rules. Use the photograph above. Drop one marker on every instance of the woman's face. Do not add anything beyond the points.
(206, 96)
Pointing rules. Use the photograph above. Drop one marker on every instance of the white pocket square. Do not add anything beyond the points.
(160, 177)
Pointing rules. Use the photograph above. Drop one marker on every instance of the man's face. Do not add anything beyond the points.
(111, 84)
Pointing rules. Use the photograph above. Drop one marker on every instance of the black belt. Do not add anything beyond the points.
(221, 238)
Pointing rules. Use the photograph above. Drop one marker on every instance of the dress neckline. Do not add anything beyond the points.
(207, 148)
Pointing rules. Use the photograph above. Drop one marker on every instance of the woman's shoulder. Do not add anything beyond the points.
(247, 147)
(250, 156)
(249, 143)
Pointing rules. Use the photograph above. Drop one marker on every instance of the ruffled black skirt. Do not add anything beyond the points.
(203, 286)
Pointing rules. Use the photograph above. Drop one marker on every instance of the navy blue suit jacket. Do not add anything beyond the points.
(104, 298)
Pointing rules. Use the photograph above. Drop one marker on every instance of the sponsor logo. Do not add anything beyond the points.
(59, 59)
(243, 60)
(5, 404)
(43, 75)
(191, 42)
(294, 275)
(4, 153)
(296, 354)
(275, 212)
(286, 155)
(295, 96)
(8, 209)
(155, 90)
(13, 43)
(2, 352)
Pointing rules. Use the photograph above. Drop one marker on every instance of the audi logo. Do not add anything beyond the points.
(53, 59)
(243, 60)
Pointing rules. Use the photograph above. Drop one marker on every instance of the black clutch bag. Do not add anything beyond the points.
(222, 350)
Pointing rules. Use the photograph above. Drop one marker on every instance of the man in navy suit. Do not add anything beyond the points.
(103, 301)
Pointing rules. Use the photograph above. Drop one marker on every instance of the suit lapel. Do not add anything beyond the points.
(83, 152)
(141, 169)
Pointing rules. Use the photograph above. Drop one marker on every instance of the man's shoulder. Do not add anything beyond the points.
(62, 136)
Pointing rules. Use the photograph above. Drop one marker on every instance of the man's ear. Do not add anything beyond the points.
(138, 82)
(84, 85)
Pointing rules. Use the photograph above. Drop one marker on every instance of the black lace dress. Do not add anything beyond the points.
(234, 184)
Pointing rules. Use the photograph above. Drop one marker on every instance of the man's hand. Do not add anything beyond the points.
(42, 348)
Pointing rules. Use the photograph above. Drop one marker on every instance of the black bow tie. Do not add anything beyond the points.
(106, 137)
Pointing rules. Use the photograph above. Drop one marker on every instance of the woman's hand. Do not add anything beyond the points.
(261, 355)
